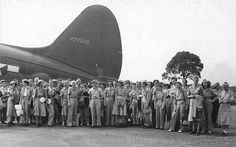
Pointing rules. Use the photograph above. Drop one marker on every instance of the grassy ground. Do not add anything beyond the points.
(57, 136)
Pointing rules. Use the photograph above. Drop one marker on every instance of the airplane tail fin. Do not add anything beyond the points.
(91, 43)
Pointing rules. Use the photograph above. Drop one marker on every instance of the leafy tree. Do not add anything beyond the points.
(183, 65)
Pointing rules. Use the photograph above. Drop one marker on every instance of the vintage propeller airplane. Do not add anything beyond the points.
(90, 48)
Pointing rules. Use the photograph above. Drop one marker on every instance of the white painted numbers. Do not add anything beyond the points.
(80, 40)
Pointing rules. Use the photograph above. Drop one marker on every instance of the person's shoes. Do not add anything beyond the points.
(170, 130)
(224, 133)
(198, 133)
(3, 122)
(23, 125)
(50, 125)
(180, 131)
(193, 132)
(209, 132)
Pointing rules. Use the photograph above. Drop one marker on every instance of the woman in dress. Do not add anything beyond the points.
(224, 114)
(109, 101)
(195, 107)
(208, 95)
(136, 95)
(39, 99)
(50, 103)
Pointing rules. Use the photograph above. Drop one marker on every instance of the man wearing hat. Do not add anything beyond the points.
(3, 101)
(102, 87)
(13, 93)
(73, 96)
(172, 96)
(95, 104)
(120, 107)
(179, 108)
(64, 102)
(26, 94)
(159, 103)
(224, 114)
(31, 107)
(128, 99)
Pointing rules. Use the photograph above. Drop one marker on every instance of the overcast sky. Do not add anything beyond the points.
(152, 31)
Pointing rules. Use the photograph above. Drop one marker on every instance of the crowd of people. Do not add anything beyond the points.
(176, 106)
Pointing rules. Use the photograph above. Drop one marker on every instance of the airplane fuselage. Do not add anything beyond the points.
(33, 65)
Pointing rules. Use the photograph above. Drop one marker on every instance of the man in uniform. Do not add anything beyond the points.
(95, 104)
(26, 94)
(73, 96)
(179, 108)
(172, 95)
(3, 101)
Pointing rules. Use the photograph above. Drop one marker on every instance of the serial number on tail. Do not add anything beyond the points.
(80, 40)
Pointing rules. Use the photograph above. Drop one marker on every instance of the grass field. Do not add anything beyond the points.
(234, 116)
